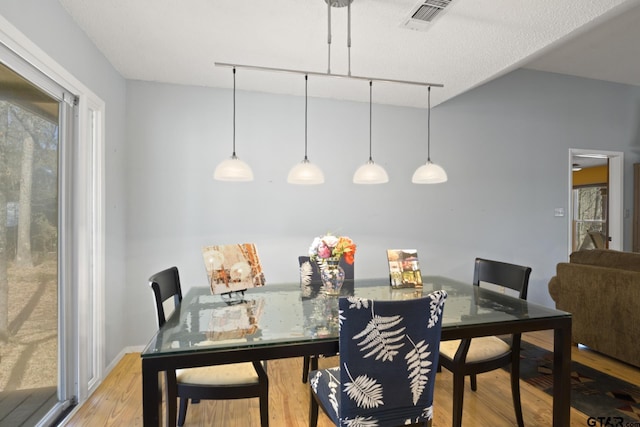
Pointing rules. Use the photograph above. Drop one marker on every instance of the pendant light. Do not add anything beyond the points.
(233, 169)
(305, 173)
(370, 173)
(429, 173)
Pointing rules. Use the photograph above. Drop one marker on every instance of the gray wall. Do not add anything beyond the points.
(48, 25)
(504, 145)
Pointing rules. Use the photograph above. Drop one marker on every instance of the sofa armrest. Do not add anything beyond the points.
(554, 288)
(603, 303)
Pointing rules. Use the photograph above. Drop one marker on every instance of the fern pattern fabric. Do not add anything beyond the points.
(388, 359)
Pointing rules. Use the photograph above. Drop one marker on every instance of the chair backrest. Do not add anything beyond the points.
(310, 273)
(499, 273)
(388, 358)
(165, 285)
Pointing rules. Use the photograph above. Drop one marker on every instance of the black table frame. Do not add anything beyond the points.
(153, 366)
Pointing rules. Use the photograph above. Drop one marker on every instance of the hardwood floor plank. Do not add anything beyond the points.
(118, 400)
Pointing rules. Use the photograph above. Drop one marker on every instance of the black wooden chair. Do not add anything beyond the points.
(231, 381)
(310, 276)
(469, 357)
(388, 363)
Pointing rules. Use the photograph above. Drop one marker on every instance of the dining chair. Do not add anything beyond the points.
(310, 276)
(388, 362)
(218, 382)
(469, 357)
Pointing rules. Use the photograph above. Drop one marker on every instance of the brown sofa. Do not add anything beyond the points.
(601, 289)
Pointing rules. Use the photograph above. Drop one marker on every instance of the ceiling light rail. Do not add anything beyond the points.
(307, 173)
(315, 73)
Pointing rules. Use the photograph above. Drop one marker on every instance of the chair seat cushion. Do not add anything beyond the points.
(482, 348)
(231, 374)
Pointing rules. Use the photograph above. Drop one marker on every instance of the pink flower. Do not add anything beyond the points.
(330, 246)
(324, 251)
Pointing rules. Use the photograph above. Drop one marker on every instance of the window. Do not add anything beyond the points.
(590, 221)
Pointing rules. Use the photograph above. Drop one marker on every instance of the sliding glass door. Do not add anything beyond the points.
(34, 122)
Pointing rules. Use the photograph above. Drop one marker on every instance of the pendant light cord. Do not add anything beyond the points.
(306, 79)
(370, 100)
(329, 2)
(234, 113)
(429, 125)
(349, 36)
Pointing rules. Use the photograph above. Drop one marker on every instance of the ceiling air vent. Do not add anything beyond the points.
(425, 13)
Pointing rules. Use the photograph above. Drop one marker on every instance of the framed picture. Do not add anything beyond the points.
(232, 268)
(404, 268)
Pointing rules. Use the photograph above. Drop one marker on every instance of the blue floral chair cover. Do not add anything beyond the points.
(388, 361)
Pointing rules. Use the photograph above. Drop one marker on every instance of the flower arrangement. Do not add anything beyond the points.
(332, 247)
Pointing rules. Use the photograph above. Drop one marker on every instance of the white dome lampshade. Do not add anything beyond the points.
(370, 173)
(429, 173)
(305, 173)
(233, 169)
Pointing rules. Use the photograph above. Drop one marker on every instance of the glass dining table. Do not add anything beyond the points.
(292, 320)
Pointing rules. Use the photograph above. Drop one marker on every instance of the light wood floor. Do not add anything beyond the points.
(118, 400)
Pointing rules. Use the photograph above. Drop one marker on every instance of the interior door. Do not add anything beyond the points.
(590, 207)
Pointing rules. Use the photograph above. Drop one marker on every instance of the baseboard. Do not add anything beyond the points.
(116, 360)
(108, 369)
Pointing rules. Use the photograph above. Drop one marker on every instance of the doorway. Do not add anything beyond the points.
(595, 200)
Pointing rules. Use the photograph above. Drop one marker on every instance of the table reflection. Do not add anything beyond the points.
(238, 320)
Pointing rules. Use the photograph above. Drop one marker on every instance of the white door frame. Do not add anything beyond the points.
(615, 196)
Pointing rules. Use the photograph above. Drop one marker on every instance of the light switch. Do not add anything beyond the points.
(559, 212)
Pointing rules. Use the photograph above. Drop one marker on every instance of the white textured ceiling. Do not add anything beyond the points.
(475, 41)
(608, 51)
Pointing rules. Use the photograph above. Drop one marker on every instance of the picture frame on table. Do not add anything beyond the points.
(404, 268)
(233, 268)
